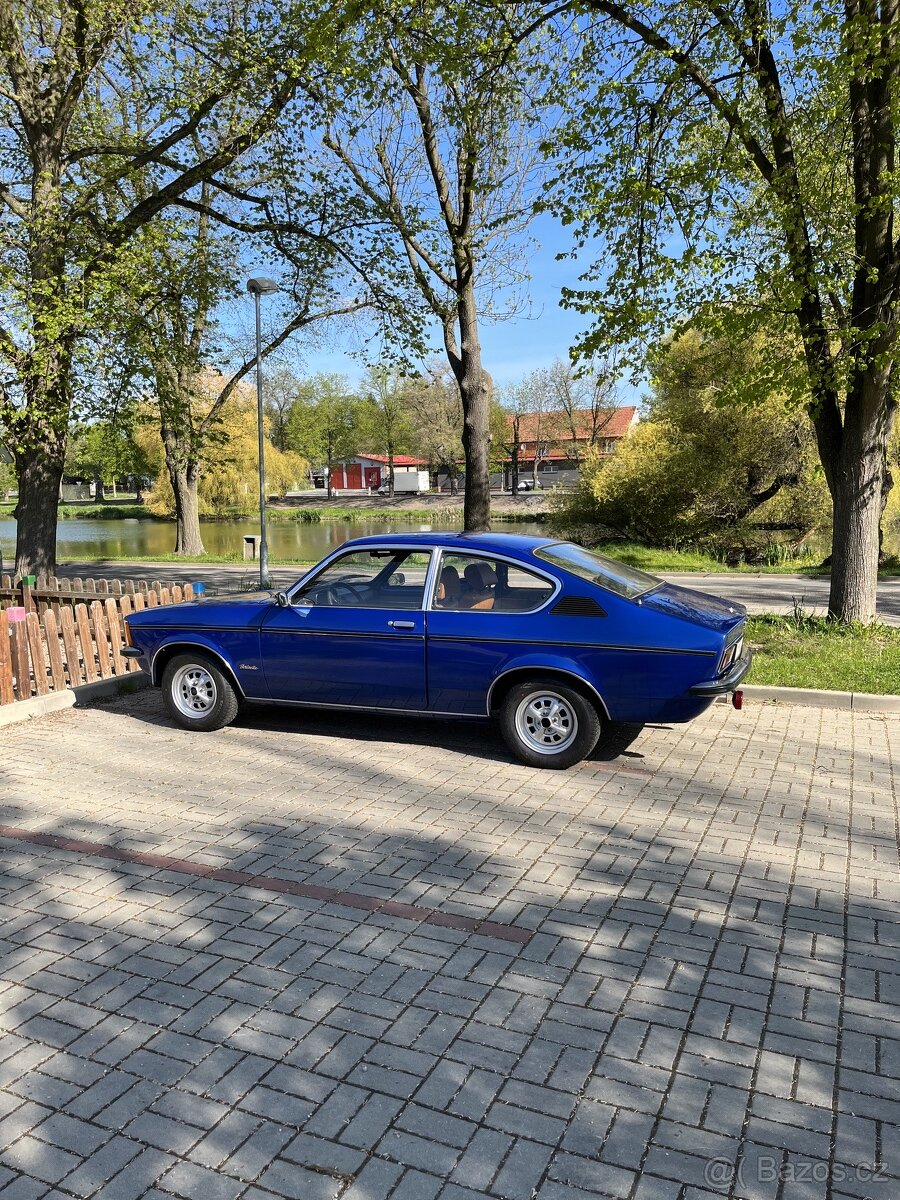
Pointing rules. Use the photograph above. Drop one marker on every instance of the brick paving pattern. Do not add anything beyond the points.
(707, 1003)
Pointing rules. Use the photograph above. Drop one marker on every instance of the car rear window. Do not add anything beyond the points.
(607, 573)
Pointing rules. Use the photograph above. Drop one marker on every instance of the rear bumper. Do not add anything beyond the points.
(727, 683)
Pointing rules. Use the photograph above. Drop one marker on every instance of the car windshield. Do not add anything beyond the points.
(606, 572)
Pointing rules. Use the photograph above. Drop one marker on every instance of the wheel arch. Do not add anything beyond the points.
(170, 650)
(500, 687)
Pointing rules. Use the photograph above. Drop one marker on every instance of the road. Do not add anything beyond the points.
(760, 593)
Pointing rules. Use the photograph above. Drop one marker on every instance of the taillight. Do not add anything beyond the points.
(731, 655)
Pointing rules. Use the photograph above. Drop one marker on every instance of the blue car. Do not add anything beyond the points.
(550, 639)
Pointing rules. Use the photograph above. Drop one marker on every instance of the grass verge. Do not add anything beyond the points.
(95, 512)
(658, 560)
(810, 652)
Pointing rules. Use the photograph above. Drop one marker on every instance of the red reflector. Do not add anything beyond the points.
(737, 699)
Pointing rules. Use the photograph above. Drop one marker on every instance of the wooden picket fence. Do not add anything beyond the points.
(68, 635)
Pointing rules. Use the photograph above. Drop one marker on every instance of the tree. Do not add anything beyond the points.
(385, 418)
(279, 394)
(193, 265)
(437, 421)
(530, 401)
(430, 121)
(739, 158)
(108, 114)
(105, 451)
(705, 468)
(227, 483)
(582, 405)
(323, 424)
(7, 475)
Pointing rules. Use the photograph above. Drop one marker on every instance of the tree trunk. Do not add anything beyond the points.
(390, 465)
(184, 476)
(856, 505)
(188, 539)
(473, 383)
(40, 474)
(99, 495)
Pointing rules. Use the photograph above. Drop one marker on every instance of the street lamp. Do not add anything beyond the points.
(261, 287)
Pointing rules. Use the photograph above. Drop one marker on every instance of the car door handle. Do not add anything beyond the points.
(402, 624)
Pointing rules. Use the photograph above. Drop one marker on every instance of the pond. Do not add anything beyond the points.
(136, 537)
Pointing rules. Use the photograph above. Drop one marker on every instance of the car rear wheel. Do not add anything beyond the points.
(549, 724)
(197, 694)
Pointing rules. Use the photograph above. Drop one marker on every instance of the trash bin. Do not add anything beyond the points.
(251, 546)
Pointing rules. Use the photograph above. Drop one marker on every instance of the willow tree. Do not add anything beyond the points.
(95, 96)
(738, 160)
(432, 116)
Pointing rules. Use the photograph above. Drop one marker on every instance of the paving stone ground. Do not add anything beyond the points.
(708, 1006)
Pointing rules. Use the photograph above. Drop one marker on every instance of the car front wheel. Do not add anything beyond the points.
(197, 694)
(548, 724)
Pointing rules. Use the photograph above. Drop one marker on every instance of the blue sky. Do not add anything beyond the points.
(511, 348)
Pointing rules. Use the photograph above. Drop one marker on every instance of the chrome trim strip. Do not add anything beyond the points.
(358, 633)
(441, 637)
(552, 671)
(409, 712)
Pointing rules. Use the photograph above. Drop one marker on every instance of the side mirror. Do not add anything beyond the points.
(282, 598)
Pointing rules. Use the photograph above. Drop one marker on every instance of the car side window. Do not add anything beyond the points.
(368, 579)
(470, 583)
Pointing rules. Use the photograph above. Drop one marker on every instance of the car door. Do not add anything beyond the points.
(481, 615)
(354, 634)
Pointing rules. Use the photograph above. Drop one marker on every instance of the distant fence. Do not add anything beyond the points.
(61, 633)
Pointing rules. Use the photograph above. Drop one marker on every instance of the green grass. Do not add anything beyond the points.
(93, 512)
(810, 652)
(661, 561)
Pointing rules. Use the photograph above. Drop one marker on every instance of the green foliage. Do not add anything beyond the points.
(229, 480)
(705, 469)
(437, 418)
(385, 419)
(105, 451)
(7, 478)
(323, 423)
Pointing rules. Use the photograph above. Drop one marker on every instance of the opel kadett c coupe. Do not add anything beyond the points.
(552, 640)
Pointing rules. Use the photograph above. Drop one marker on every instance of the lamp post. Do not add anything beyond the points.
(261, 287)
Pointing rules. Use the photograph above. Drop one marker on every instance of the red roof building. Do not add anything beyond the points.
(552, 446)
(369, 471)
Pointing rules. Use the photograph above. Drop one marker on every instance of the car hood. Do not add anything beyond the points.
(237, 610)
(709, 612)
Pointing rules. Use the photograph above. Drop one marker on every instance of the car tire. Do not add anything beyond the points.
(549, 724)
(196, 693)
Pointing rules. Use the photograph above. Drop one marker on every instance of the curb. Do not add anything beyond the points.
(103, 689)
(37, 706)
(815, 698)
(106, 689)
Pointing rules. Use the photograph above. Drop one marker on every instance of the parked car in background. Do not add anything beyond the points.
(549, 639)
(529, 485)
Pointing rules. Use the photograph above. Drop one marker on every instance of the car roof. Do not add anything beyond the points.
(520, 544)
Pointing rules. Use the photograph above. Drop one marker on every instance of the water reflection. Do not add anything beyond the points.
(141, 538)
